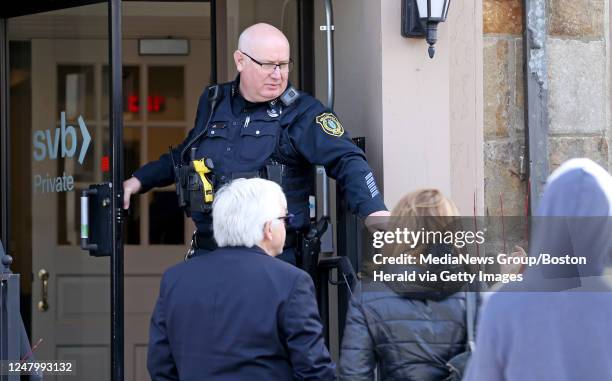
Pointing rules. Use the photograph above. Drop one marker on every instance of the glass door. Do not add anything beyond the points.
(59, 146)
(60, 103)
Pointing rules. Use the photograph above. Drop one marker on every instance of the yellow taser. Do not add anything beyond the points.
(204, 167)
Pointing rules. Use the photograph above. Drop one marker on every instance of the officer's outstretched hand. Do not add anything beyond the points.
(377, 221)
(130, 186)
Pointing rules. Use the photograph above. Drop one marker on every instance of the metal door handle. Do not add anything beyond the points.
(43, 275)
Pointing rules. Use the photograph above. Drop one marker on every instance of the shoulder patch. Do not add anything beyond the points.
(330, 124)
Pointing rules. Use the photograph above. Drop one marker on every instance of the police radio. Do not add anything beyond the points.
(289, 96)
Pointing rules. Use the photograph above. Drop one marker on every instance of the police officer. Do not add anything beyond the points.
(260, 126)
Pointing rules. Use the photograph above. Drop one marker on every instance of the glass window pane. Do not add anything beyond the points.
(75, 114)
(104, 160)
(75, 91)
(166, 99)
(131, 93)
(131, 231)
(131, 150)
(131, 162)
(161, 138)
(166, 221)
(84, 170)
(69, 217)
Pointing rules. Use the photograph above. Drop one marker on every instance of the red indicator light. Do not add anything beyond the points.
(105, 164)
(133, 104)
(155, 103)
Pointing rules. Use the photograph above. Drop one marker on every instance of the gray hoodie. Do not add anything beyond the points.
(563, 329)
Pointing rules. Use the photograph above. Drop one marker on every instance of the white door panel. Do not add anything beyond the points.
(77, 324)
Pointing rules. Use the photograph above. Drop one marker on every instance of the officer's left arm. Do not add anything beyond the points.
(321, 139)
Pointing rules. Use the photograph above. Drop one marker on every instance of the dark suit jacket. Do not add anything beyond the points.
(237, 314)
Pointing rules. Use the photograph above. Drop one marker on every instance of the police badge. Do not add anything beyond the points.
(272, 113)
(330, 124)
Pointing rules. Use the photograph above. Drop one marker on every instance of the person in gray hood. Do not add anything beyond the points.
(555, 325)
(410, 330)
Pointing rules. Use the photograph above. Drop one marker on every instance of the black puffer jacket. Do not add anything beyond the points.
(409, 333)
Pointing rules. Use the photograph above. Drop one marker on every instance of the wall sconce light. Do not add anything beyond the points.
(420, 19)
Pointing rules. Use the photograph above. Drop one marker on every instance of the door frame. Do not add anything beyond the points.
(4, 134)
(116, 147)
(115, 120)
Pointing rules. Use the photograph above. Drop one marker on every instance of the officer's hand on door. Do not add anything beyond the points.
(377, 221)
(130, 186)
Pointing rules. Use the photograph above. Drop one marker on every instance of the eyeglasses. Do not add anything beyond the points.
(287, 218)
(269, 67)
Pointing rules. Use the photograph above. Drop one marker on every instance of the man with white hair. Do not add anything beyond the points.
(238, 313)
(260, 126)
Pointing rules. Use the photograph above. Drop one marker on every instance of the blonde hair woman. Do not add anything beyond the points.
(406, 329)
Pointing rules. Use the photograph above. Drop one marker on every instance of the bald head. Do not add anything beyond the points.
(261, 35)
(262, 44)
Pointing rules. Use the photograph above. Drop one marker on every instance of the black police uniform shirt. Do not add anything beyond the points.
(243, 137)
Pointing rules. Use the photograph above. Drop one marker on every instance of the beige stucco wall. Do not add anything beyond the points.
(465, 25)
(416, 123)
(422, 118)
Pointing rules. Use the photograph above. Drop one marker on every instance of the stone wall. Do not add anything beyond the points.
(578, 71)
(503, 107)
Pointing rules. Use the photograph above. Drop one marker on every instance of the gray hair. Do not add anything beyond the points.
(242, 208)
